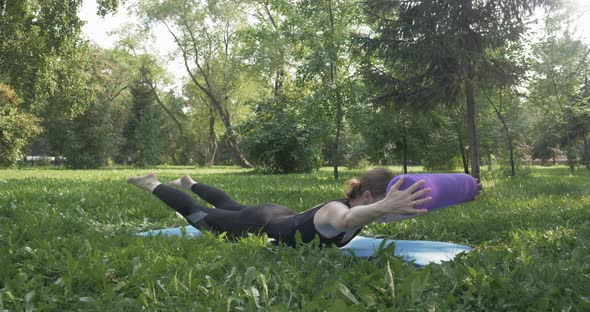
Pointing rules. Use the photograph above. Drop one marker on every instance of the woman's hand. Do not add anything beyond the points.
(335, 218)
(406, 201)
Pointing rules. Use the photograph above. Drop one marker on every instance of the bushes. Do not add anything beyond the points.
(87, 141)
(280, 140)
(16, 128)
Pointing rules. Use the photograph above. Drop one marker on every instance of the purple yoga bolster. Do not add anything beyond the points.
(447, 189)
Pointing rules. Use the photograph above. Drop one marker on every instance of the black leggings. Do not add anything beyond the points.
(229, 216)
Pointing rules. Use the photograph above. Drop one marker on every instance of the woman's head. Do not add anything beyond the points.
(371, 187)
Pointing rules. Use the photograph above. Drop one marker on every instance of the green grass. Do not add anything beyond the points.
(66, 245)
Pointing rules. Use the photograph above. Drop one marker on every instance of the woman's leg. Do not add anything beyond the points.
(235, 223)
(183, 204)
(212, 195)
(177, 200)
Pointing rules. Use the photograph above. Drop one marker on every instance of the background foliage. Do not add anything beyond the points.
(289, 86)
(16, 127)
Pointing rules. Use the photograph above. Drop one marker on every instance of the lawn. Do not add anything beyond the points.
(66, 244)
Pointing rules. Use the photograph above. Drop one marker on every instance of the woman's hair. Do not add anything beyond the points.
(375, 181)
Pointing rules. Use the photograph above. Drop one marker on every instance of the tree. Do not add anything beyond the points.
(36, 39)
(40, 49)
(507, 123)
(202, 117)
(92, 137)
(268, 44)
(16, 127)
(154, 76)
(324, 29)
(435, 51)
(500, 111)
(206, 38)
(560, 87)
(147, 138)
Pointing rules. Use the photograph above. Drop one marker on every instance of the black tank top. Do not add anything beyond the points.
(303, 223)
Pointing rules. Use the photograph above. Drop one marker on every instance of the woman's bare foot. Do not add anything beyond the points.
(185, 182)
(176, 183)
(147, 182)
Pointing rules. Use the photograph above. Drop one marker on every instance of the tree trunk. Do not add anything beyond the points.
(186, 156)
(463, 157)
(405, 153)
(510, 147)
(338, 130)
(339, 114)
(587, 153)
(212, 138)
(471, 122)
(225, 118)
(279, 76)
(174, 159)
(235, 146)
(232, 140)
(586, 144)
(512, 165)
(498, 111)
(570, 160)
(489, 159)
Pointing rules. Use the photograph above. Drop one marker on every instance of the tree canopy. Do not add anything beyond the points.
(291, 86)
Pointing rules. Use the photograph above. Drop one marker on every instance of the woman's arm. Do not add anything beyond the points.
(336, 217)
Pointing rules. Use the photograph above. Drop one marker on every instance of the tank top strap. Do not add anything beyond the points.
(304, 224)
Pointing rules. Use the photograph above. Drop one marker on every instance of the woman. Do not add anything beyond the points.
(335, 222)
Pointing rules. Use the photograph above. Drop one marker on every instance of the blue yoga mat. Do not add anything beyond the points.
(420, 252)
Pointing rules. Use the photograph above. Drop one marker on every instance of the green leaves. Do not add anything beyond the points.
(16, 127)
(280, 140)
(559, 90)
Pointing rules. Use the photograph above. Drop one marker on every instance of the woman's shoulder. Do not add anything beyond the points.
(335, 203)
(341, 200)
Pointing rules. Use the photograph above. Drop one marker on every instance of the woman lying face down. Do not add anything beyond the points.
(335, 222)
